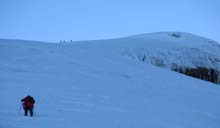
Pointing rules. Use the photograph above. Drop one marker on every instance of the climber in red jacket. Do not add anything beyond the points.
(28, 105)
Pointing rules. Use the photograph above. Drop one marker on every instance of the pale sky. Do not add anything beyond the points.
(55, 20)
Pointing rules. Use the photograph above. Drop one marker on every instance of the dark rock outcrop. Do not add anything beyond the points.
(203, 73)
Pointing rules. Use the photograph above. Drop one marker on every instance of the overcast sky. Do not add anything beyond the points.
(55, 20)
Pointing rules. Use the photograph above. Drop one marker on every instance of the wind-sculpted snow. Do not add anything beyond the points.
(100, 84)
(185, 50)
(178, 50)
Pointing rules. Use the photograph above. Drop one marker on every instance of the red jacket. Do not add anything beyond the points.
(28, 102)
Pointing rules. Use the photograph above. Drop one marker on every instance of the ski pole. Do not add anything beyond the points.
(19, 111)
(34, 111)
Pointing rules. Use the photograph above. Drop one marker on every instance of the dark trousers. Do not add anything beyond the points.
(30, 109)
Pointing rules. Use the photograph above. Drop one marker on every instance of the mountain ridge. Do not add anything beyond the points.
(99, 84)
(178, 51)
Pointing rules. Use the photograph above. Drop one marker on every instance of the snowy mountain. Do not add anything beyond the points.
(184, 49)
(180, 52)
(110, 83)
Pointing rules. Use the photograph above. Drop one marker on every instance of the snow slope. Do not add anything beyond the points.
(184, 49)
(99, 84)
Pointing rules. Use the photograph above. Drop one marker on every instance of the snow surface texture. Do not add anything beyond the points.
(182, 49)
(100, 84)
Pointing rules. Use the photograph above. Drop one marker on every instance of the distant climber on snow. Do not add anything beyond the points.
(28, 105)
